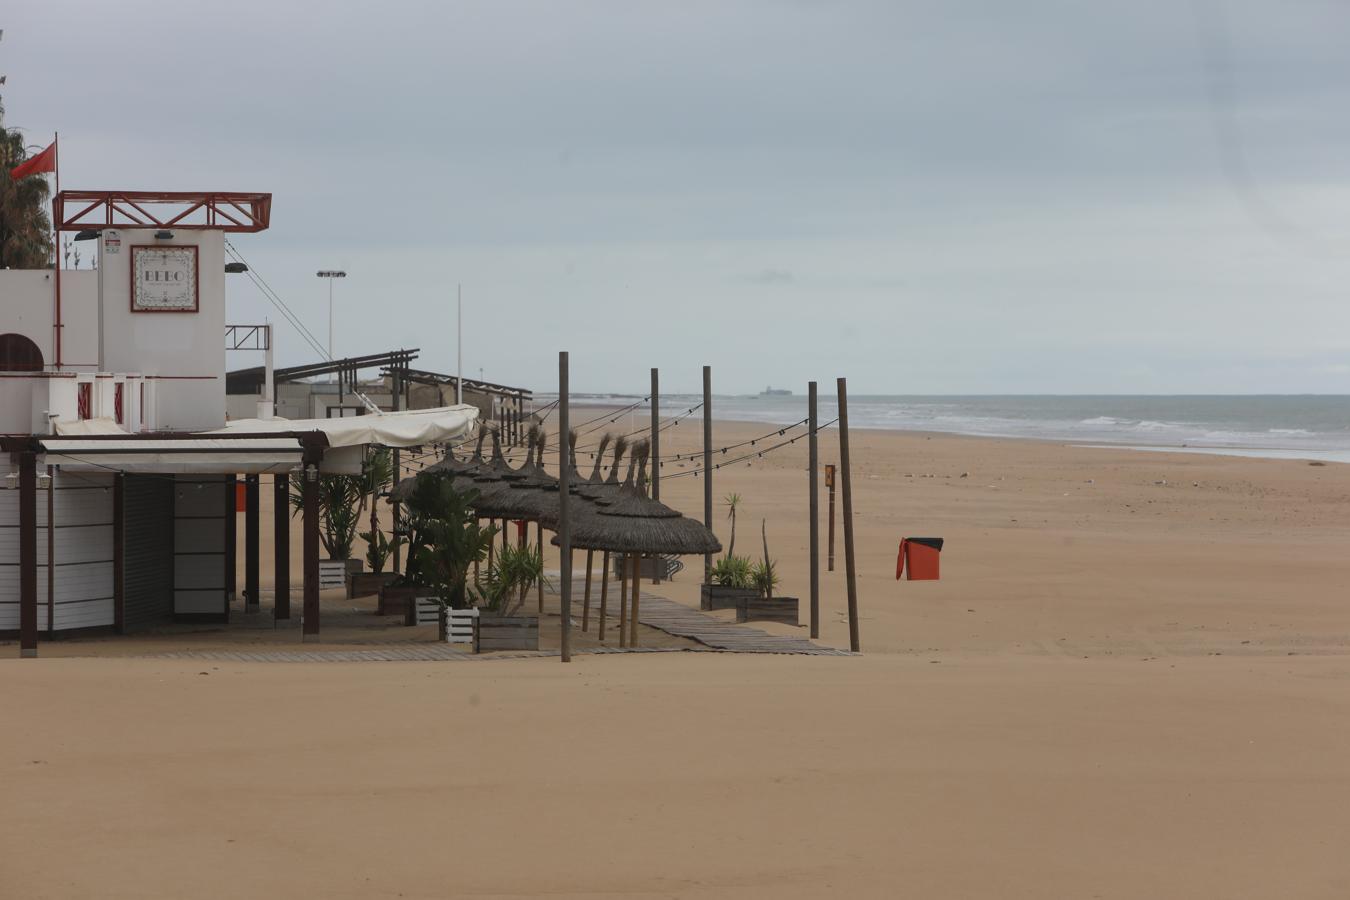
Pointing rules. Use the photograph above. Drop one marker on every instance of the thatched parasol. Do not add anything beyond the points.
(403, 490)
(635, 525)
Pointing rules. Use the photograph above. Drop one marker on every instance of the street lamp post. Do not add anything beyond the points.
(330, 274)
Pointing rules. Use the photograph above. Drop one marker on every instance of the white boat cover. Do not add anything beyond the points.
(406, 428)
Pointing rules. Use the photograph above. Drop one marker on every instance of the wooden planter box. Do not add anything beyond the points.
(332, 573)
(714, 596)
(768, 609)
(506, 633)
(397, 600)
(365, 584)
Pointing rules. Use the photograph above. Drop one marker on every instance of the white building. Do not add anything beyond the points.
(120, 511)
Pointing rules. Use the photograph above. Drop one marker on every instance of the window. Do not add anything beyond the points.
(19, 354)
(117, 404)
(84, 399)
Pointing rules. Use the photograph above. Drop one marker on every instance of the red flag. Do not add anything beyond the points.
(43, 162)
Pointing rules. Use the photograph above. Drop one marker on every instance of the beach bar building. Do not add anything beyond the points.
(118, 466)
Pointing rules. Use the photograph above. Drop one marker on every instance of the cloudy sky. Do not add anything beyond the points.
(1131, 197)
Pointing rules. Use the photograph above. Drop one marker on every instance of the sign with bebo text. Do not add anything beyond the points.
(163, 279)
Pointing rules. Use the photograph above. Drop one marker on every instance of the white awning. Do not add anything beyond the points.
(203, 456)
(75, 427)
(407, 428)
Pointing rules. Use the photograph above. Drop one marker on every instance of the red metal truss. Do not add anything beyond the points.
(188, 210)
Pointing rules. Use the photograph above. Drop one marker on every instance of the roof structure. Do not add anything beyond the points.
(232, 211)
(248, 381)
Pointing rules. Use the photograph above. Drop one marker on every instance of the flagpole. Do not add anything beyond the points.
(56, 239)
(459, 336)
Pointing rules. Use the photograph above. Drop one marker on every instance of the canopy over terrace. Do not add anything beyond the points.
(199, 523)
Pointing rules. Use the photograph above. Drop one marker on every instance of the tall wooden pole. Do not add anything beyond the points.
(656, 435)
(586, 602)
(850, 560)
(707, 466)
(252, 531)
(604, 593)
(281, 527)
(396, 383)
(633, 609)
(564, 510)
(28, 613)
(656, 456)
(623, 601)
(310, 544)
(813, 458)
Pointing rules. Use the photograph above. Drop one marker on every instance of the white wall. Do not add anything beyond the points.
(183, 351)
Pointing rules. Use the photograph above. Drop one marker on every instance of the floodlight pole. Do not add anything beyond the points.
(330, 274)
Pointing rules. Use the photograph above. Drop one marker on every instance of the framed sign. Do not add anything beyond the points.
(163, 278)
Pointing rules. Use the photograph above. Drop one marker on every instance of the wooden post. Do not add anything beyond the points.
(604, 592)
(707, 466)
(564, 513)
(396, 385)
(28, 612)
(310, 488)
(586, 604)
(539, 536)
(231, 538)
(656, 435)
(119, 554)
(656, 453)
(829, 483)
(281, 526)
(633, 610)
(623, 601)
(813, 457)
(251, 532)
(850, 560)
(51, 554)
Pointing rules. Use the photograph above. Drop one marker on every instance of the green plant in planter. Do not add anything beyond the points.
(377, 474)
(733, 502)
(340, 498)
(764, 575)
(446, 539)
(733, 572)
(378, 549)
(503, 586)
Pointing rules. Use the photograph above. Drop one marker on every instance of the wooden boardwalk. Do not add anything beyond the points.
(711, 633)
(682, 621)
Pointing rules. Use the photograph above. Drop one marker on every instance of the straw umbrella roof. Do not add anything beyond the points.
(524, 497)
(400, 492)
(634, 523)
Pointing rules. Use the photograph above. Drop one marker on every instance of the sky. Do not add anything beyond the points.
(944, 197)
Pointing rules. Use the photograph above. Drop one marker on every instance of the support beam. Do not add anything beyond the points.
(119, 555)
(231, 539)
(564, 509)
(850, 560)
(310, 489)
(656, 455)
(281, 527)
(586, 602)
(813, 490)
(28, 612)
(252, 495)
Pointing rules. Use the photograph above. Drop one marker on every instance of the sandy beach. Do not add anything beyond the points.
(1129, 682)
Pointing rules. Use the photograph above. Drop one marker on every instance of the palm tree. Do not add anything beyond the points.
(732, 501)
(25, 228)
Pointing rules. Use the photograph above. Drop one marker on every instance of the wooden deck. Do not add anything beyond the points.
(682, 621)
(390, 645)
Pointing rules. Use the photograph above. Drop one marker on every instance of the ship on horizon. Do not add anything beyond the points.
(775, 392)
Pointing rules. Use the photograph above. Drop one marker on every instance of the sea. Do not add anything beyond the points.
(1313, 426)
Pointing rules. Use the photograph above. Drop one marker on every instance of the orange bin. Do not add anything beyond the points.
(918, 559)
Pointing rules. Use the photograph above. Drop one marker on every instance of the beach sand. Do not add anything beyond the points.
(1130, 681)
